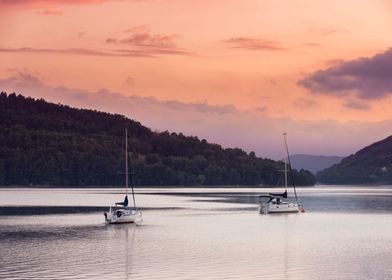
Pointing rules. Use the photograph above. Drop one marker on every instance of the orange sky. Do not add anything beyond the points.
(255, 60)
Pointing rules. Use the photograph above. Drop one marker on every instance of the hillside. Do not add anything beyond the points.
(371, 165)
(43, 143)
(314, 163)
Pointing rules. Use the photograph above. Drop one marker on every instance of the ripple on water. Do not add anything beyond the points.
(202, 240)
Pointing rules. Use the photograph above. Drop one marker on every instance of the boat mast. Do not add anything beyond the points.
(291, 170)
(285, 165)
(126, 161)
(126, 172)
(133, 193)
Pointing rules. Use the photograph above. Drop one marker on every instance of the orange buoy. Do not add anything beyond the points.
(302, 210)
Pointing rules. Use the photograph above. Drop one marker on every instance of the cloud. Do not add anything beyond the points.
(141, 38)
(24, 79)
(223, 124)
(86, 52)
(312, 44)
(151, 40)
(199, 107)
(356, 104)
(111, 40)
(252, 44)
(81, 34)
(334, 62)
(129, 82)
(366, 78)
(21, 79)
(138, 29)
(303, 103)
(33, 4)
(331, 31)
(260, 109)
(50, 12)
(164, 51)
(326, 31)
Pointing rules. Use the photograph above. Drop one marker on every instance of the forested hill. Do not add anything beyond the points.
(371, 165)
(43, 143)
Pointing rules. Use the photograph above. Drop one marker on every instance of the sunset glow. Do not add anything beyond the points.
(233, 72)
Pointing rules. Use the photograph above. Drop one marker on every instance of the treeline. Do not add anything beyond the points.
(371, 165)
(43, 143)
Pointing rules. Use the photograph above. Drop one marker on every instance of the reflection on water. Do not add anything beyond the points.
(199, 237)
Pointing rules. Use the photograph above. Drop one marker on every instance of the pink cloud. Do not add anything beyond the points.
(43, 4)
(252, 43)
(142, 38)
(76, 51)
(332, 31)
(356, 104)
(50, 12)
(111, 40)
(138, 29)
(151, 40)
(312, 44)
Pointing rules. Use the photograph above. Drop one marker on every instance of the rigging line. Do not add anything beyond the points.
(131, 181)
(126, 161)
(291, 170)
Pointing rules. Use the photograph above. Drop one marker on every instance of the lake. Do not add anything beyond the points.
(196, 233)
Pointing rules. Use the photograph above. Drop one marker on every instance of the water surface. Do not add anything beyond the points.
(346, 233)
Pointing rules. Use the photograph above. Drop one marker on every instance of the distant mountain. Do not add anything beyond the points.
(371, 165)
(313, 163)
(43, 143)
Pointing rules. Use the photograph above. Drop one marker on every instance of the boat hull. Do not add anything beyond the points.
(286, 207)
(123, 216)
(283, 208)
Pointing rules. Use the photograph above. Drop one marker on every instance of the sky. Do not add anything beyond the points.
(236, 73)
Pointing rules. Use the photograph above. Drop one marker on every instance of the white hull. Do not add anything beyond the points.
(123, 216)
(281, 207)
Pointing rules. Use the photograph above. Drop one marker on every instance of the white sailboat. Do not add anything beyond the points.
(121, 212)
(278, 202)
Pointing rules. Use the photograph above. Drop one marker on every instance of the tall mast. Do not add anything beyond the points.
(285, 163)
(291, 170)
(133, 192)
(126, 161)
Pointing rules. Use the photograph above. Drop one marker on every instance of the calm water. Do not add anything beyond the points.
(346, 233)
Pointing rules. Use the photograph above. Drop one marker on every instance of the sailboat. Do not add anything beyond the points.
(121, 212)
(279, 202)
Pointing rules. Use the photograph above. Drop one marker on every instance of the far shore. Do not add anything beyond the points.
(145, 187)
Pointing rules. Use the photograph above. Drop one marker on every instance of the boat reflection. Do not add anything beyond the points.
(123, 234)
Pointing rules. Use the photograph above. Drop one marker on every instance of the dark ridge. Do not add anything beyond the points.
(50, 144)
(371, 165)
